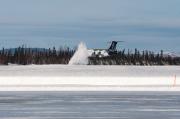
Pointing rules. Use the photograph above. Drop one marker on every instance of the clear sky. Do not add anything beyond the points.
(143, 24)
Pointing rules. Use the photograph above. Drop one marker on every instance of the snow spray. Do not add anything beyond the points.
(81, 55)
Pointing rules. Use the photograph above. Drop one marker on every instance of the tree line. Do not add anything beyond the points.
(26, 56)
(136, 58)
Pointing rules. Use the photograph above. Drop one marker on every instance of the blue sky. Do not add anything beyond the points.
(143, 24)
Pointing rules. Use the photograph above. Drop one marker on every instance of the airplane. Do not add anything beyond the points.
(105, 52)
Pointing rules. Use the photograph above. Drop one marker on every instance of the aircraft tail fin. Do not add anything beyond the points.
(112, 49)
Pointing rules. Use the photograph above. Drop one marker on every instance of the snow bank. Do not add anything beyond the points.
(89, 78)
(81, 55)
(89, 84)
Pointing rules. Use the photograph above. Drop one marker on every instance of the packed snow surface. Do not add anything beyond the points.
(81, 55)
(89, 78)
(88, 71)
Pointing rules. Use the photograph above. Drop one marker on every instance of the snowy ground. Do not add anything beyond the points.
(89, 78)
(89, 105)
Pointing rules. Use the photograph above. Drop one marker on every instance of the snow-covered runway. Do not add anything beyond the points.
(90, 105)
(89, 78)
